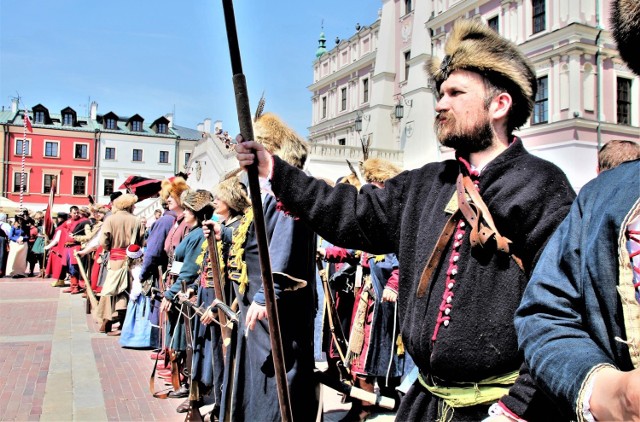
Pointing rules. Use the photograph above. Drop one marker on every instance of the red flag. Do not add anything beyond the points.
(48, 219)
(27, 122)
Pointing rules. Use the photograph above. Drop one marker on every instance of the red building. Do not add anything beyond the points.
(61, 146)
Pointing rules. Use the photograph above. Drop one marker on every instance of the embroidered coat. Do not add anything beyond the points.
(527, 196)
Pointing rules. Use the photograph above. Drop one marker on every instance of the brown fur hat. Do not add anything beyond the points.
(173, 186)
(233, 193)
(196, 199)
(474, 46)
(281, 140)
(625, 22)
(124, 202)
(351, 179)
(379, 170)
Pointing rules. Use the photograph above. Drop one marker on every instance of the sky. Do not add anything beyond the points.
(155, 57)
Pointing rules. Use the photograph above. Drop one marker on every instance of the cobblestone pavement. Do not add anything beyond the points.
(56, 366)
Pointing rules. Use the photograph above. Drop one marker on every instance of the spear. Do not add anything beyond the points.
(246, 130)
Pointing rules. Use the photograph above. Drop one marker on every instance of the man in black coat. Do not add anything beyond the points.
(463, 267)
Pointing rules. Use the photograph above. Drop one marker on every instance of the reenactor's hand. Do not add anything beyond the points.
(246, 153)
(255, 313)
(165, 305)
(389, 295)
(208, 225)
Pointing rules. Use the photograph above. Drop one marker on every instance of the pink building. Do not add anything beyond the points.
(586, 95)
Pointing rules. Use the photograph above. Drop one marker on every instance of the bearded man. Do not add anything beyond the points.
(462, 271)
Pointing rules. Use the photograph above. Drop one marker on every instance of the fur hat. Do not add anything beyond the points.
(350, 179)
(196, 200)
(625, 22)
(99, 208)
(379, 170)
(174, 186)
(281, 140)
(233, 193)
(474, 46)
(62, 215)
(134, 251)
(124, 201)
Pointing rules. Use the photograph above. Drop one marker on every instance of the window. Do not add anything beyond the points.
(50, 149)
(137, 155)
(19, 145)
(162, 128)
(39, 117)
(623, 106)
(109, 153)
(494, 24)
(324, 107)
(79, 185)
(408, 7)
(541, 107)
(81, 152)
(187, 157)
(407, 57)
(538, 7)
(67, 119)
(343, 99)
(164, 157)
(136, 126)
(342, 141)
(365, 90)
(17, 180)
(46, 182)
(110, 124)
(108, 186)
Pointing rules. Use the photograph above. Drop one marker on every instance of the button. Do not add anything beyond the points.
(462, 224)
(456, 244)
(449, 299)
(447, 311)
(456, 258)
(454, 271)
(450, 285)
(459, 236)
(446, 323)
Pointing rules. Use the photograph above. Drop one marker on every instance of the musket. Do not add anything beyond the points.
(214, 258)
(246, 130)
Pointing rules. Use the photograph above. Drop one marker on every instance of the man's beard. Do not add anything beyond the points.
(476, 139)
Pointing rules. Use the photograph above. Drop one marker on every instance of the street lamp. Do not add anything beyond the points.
(398, 111)
(358, 123)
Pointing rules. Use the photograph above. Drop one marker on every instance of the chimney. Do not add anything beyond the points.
(207, 125)
(169, 117)
(93, 111)
(200, 127)
(14, 105)
(217, 125)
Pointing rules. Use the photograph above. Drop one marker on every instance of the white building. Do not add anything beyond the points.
(586, 95)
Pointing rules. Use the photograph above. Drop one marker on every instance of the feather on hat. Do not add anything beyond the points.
(475, 47)
(379, 170)
(232, 192)
(625, 22)
(173, 186)
(281, 140)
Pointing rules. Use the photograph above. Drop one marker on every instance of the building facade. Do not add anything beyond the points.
(586, 95)
(60, 146)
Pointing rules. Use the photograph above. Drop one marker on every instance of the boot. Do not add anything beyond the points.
(74, 287)
(58, 283)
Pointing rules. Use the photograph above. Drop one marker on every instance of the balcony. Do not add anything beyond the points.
(339, 153)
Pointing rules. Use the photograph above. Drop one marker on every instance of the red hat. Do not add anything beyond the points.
(134, 251)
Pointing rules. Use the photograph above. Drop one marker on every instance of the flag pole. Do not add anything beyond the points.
(246, 130)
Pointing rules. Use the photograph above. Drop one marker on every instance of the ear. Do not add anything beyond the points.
(500, 106)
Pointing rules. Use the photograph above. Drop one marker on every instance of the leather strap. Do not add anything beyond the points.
(483, 229)
(436, 255)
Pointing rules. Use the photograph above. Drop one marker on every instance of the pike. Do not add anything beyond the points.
(90, 294)
(246, 130)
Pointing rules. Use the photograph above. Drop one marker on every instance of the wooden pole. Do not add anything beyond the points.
(246, 130)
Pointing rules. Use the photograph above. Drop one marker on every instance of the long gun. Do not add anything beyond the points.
(246, 130)
(214, 258)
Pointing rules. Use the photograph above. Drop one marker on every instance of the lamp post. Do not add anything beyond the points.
(364, 143)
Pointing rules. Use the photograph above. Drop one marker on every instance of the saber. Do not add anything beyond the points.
(355, 392)
(246, 130)
(214, 259)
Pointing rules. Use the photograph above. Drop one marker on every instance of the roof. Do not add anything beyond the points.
(186, 133)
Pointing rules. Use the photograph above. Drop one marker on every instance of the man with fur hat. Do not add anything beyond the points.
(75, 225)
(120, 230)
(250, 387)
(464, 265)
(578, 321)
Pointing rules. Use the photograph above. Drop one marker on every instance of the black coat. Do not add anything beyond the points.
(527, 196)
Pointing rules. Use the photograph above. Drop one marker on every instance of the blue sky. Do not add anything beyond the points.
(147, 57)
